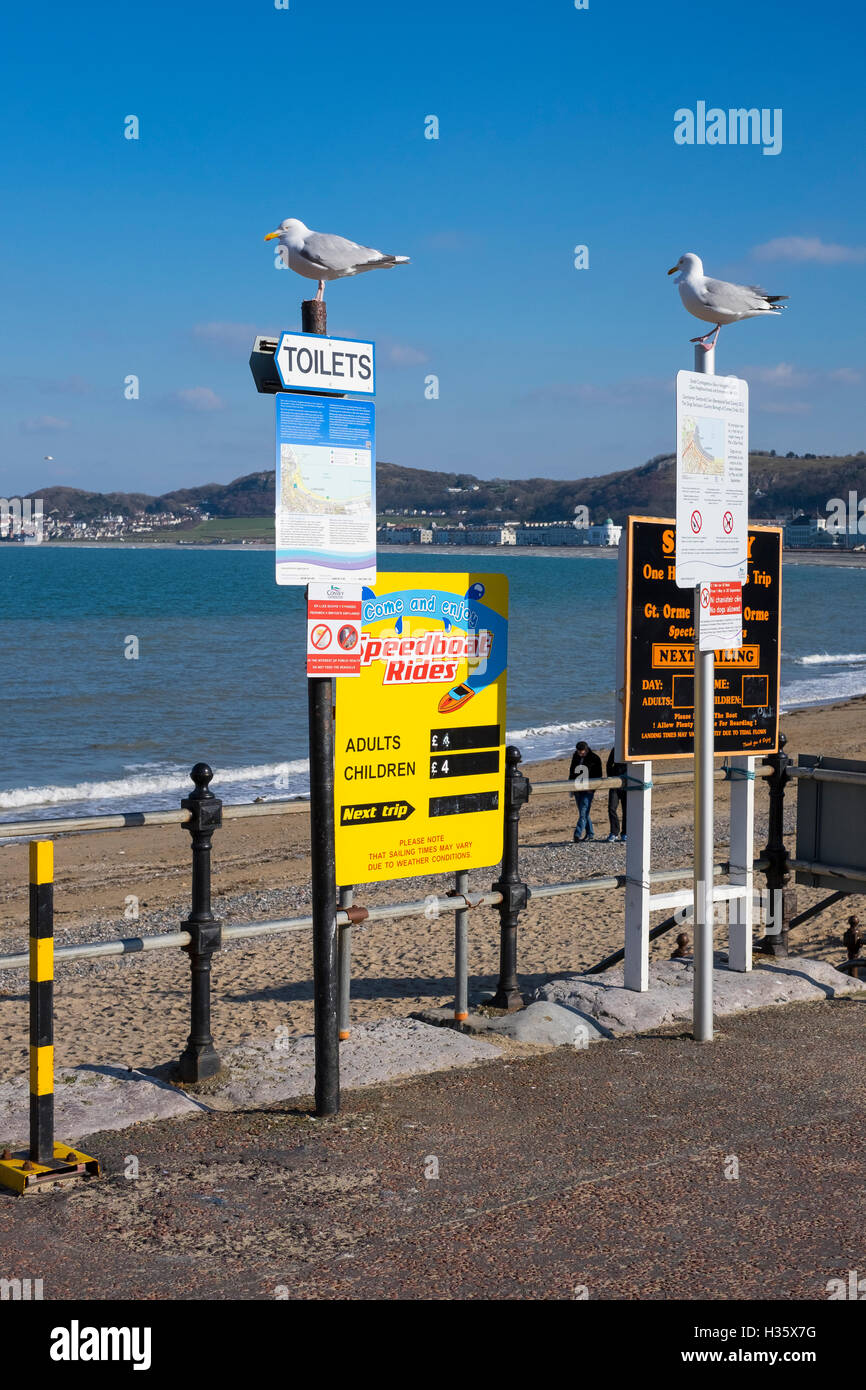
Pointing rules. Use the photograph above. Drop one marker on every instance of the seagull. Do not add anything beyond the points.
(719, 301)
(322, 256)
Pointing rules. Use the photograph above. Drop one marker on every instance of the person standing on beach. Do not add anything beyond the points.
(616, 800)
(584, 758)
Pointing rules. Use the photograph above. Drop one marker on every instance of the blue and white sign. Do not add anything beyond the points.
(326, 490)
(308, 362)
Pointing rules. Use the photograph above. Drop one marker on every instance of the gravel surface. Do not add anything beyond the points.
(648, 1168)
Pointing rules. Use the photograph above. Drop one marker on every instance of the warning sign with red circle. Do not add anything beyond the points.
(697, 521)
(721, 623)
(728, 522)
(334, 630)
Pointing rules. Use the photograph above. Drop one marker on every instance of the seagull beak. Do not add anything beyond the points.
(270, 236)
(670, 272)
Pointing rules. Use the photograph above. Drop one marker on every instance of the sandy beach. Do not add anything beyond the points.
(134, 1010)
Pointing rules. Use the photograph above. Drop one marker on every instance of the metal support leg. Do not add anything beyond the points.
(461, 951)
(344, 966)
(515, 894)
(742, 857)
(637, 871)
(780, 898)
(199, 1059)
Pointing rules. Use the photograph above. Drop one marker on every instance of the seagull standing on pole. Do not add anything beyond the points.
(322, 256)
(719, 301)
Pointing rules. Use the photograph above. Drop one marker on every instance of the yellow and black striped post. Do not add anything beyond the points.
(46, 1161)
(41, 1001)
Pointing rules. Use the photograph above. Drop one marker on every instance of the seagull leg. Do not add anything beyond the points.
(713, 333)
(320, 293)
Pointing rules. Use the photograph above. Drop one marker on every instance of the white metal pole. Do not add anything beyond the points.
(742, 855)
(637, 873)
(705, 675)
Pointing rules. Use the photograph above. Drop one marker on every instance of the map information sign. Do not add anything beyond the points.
(712, 478)
(657, 695)
(420, 765)
(326, 502)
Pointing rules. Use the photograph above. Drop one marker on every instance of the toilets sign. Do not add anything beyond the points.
(309, 362)
(420, 765)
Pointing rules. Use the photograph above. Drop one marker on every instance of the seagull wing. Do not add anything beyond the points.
(327, 252)
(736, 299)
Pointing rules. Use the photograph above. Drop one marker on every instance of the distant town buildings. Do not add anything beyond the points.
(103, 528)
(536, 533)
(815, 533)
(798, 533)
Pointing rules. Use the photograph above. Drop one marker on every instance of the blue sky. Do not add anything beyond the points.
(556, 129)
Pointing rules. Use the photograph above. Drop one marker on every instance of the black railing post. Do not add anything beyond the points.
(515, 894)
(199, 1059)
(783, 900)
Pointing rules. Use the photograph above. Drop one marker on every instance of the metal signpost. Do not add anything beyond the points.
(711, 544)
(326, 540)
(420, 769)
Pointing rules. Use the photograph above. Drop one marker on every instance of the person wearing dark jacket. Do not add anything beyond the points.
(584, 765)
(616, 798)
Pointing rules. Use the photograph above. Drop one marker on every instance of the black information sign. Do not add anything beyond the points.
(463, 803)
(465, 764)
(475, 736)
(659, 695)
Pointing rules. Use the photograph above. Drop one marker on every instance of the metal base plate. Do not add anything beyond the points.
(23, 1175)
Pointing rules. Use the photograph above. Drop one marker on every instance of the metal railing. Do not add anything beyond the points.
(202, 935)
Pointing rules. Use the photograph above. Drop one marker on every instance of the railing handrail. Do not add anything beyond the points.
(454, 902)
(660, 779)
(133, 820)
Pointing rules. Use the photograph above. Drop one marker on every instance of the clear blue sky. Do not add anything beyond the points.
(556, 129)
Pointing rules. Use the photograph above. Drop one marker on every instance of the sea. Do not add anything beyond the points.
(119, 668)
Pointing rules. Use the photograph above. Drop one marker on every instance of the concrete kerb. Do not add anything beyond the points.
(668, 1000)
(569, 1011)
(576, 1010)
(92, 1098)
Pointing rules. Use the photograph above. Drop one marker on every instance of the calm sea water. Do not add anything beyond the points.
(220, 673)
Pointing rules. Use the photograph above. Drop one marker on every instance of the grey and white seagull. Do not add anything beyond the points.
(719, 301)
(322, 256)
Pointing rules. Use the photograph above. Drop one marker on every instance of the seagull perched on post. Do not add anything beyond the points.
(719, 301)
(322, 256)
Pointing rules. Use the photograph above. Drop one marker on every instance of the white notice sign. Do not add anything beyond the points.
(712, 478)
(721, 622)
(308, 362)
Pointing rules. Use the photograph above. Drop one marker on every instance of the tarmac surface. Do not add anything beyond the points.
(600, 1173)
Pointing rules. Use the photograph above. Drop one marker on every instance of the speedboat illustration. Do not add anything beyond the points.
(455, 699)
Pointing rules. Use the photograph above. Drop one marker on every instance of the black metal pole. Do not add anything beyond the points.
(515, 894)
(324, 893)
(320, 699)
(777, 871)
(199, 1059)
